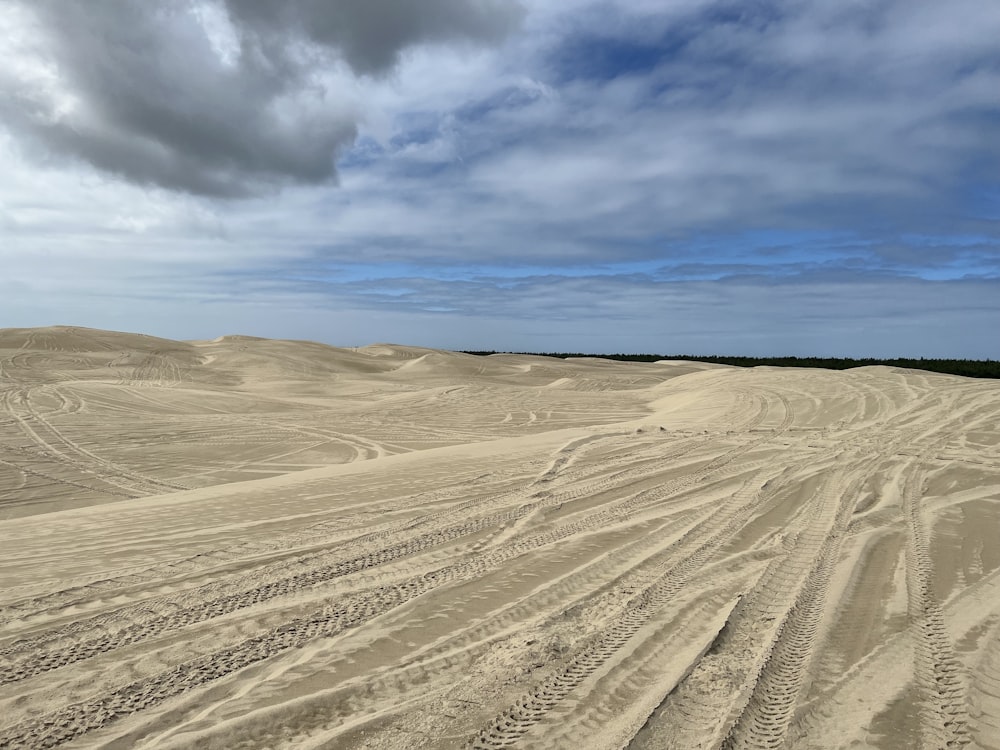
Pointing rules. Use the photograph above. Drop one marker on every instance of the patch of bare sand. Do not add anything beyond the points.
(247, 543)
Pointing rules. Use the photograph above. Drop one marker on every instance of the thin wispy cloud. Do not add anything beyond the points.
(814, 177)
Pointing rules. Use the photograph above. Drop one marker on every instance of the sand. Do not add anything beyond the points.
(247, 543)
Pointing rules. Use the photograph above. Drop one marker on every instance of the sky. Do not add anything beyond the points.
(743, 177)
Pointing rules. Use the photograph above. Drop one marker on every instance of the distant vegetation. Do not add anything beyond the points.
(970, 368)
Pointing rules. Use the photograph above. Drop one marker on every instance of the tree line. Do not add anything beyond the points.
(970, 368)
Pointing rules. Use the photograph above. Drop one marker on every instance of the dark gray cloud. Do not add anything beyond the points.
(371, 34)
(215, 99)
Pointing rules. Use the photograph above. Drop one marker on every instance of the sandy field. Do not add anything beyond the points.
(248, 543)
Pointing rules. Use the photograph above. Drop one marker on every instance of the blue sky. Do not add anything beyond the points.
(695, 176)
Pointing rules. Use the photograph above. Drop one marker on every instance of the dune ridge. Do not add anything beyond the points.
(249, 543)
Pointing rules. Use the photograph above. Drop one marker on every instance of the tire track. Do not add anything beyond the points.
(105, 710)
(432, 523)
(669, 577)
(67, 723)
(443, 663)
(349, 612)
(744, 693)
(146, 622)
(944, 720)
(360, 545)
(54, 444)
(617, 479)
(769, 711)
(984, 696)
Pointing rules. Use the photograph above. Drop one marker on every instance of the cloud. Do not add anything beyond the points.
(213, 99)
(623, 132)
(370, 35)
(613, 175)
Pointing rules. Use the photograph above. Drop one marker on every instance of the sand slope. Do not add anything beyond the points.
(247, 543)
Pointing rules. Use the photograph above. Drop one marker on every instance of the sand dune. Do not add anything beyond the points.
(247, 543)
